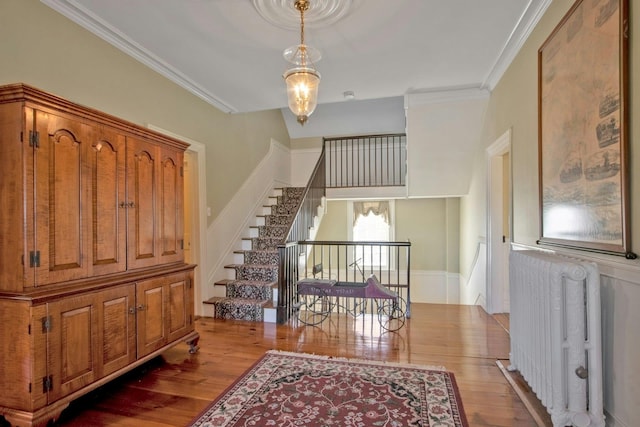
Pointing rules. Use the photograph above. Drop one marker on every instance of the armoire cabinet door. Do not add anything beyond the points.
(16, 164)
(151, 301)
(171, 206)
(107, 210)
(180, 309)
(142, 213)
(89, 336)
(62, 186)
(72, 342)
(117, 331)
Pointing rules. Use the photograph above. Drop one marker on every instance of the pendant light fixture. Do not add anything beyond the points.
(302, 80)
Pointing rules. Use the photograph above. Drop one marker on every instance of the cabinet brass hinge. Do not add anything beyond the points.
(29, 329)
(29, 387)
(34, 139)
(34, 259)
(181, 171)
(46, 324)
(47, 384)
(182, 244)
(190, 319)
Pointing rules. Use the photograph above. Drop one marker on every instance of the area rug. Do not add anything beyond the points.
(297, 389)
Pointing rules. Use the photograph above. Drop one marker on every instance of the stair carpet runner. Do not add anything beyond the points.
(252, 290)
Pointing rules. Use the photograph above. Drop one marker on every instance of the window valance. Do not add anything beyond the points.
(378, 208)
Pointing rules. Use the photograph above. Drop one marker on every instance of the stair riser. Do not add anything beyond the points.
(249, 292)
(249, 272)
(293, 192)
(277, 220)
(261, 258)
(227, 310)
(272, 232)
(283, 210)
(264, 244)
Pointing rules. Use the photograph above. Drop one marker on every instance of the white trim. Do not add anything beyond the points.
(200, 254)
(473, 288)
(496, 288)
(83, 17)
(527, 22)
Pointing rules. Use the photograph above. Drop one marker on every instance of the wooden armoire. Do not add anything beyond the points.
(92, 275)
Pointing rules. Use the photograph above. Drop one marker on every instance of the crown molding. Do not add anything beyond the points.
(83, 17)
(527, 22)
(415, 99)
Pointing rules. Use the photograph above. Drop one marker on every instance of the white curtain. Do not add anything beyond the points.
(380, 208)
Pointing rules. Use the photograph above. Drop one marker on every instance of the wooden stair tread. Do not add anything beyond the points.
(225, 282)
(243, 251)
(250, 265)
(260, 302)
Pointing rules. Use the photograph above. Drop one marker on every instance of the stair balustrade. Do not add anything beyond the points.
(366, 161)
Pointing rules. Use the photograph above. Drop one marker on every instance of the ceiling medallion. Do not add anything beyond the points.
(322, 13)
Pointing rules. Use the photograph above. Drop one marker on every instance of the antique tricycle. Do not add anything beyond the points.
(318, 298)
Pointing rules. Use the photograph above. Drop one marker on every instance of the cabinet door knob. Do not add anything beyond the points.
(141, 307)
(123, 204)
(131, 204)
(132, 310)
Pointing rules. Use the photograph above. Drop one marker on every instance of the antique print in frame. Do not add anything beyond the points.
(582, 102)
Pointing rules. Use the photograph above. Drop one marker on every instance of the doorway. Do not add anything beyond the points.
(499, 234)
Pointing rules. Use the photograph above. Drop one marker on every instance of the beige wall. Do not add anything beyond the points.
(306, 143)
(430, 225)
(42, 48)
(513, 105)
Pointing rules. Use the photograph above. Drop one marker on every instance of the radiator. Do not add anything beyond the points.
(556, 334)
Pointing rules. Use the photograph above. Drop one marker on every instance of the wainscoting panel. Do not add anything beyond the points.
(437, 287)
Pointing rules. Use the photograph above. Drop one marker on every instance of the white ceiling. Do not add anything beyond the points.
(230, 54)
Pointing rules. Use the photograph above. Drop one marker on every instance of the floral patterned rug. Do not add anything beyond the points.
(297, 389)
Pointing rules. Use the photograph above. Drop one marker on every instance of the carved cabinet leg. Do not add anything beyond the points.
(193, 345)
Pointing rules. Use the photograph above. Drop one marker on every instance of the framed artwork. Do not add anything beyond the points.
(582, 119)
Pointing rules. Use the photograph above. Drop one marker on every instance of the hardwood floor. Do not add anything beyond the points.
(172, 389)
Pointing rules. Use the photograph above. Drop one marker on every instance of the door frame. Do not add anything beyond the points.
(497, 261)
(199, 211)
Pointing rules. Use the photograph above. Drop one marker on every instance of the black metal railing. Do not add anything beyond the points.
(366, 161)
(343, 261)
(300, 228)
(346, 261)
(311, 201)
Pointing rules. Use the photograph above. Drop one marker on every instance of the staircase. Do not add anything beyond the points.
(250, 295)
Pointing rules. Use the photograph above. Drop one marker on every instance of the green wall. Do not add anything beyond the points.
(42, 48)
(430, 224)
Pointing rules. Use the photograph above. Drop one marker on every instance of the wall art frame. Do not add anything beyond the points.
(583, 129)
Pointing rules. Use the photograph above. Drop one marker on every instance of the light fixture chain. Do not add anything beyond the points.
(302, 6)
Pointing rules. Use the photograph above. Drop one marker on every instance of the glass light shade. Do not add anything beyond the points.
(302, 91)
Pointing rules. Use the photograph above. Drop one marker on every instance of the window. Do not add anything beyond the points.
(372, 221)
